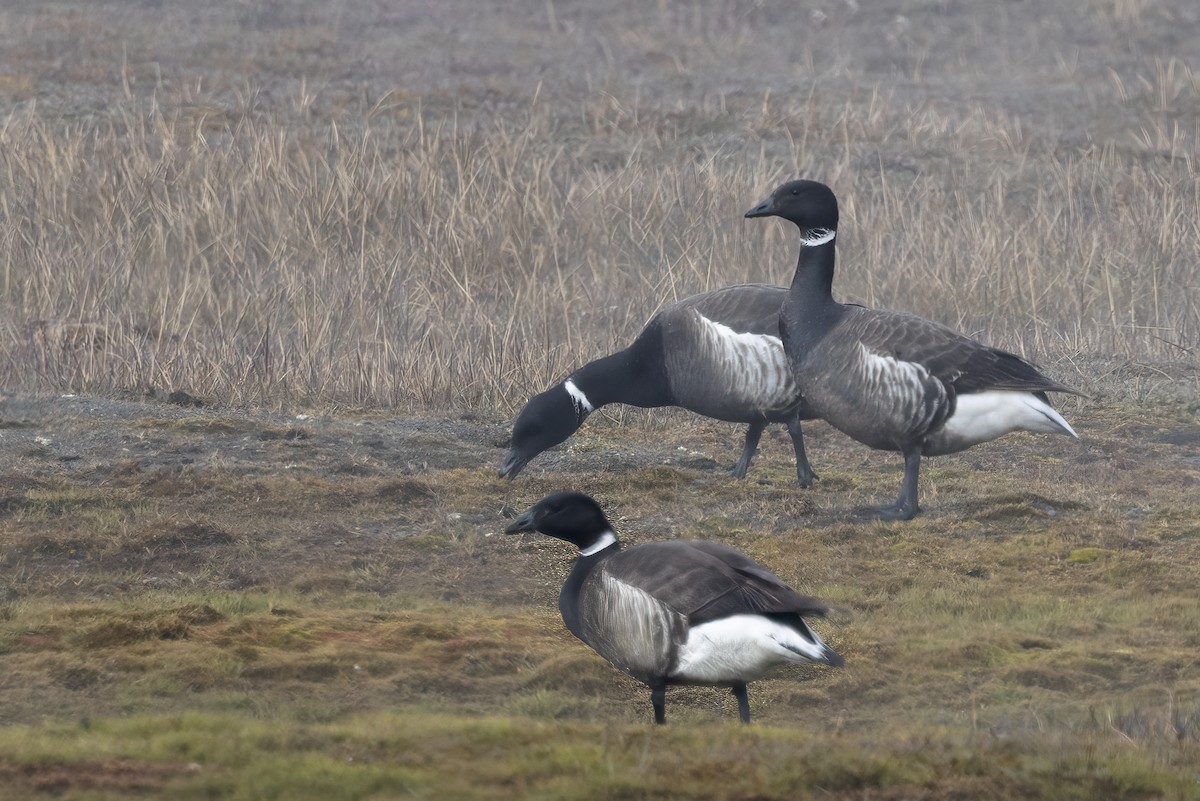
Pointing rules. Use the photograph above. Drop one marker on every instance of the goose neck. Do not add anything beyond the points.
(813, 279)
(600, 382)
(631, 376)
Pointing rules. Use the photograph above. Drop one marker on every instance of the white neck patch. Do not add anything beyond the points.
(817, 236)
(581, 401)
(606, 539)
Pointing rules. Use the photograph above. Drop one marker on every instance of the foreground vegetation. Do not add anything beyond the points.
(199, 755)
(438, 209)
(194, 622)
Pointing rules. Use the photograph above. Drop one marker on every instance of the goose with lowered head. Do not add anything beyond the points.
(717, 354)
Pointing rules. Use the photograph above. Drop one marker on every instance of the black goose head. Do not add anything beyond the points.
(570, 516)
(812, 206)
(546, 420)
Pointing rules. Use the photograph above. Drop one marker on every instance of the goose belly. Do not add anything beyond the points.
(740, 648)
(740, 377)
(982, 416)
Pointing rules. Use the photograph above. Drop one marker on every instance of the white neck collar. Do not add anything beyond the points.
(606, 539)
(817, 236)
(582, 404)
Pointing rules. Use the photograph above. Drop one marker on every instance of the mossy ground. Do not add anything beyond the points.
(234, 628)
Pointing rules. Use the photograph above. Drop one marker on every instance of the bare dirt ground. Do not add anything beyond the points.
(183, 455)
(196, 497)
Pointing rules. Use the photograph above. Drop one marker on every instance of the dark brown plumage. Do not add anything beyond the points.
(676, 612)
(717, 354)
(892, 380)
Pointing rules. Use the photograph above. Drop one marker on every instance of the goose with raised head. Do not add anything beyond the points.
(717, 354)
(678, 612)
(892, 380)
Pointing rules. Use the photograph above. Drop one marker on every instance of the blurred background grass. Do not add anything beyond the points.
(436, 204)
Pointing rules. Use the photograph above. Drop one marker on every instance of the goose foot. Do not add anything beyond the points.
(894, 512)
(743, 701)
(804, 472)
(905, 507)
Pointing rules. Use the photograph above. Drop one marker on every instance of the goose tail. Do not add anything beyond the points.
(1054, 423)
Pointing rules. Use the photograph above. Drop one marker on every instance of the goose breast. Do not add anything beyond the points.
(630, 627)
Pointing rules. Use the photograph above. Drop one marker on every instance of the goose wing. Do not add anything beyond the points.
(706, 581)
(745, 308)
(957, 361)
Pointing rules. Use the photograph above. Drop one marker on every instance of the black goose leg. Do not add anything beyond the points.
(906, 507)
(739, 692)
(753, 433)
(804, 472)
(658, 698)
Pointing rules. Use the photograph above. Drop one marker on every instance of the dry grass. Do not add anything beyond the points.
(292, 245)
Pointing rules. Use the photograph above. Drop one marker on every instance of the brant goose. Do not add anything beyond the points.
(677, 612)
(892, 380)
(717, 354)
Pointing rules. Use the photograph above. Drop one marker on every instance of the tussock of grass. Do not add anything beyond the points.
(1086, 556)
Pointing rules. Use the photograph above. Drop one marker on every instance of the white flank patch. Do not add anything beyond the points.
(742, 648)
(982, 416)
(581, 401)
(753, 367)
(817, 236)
(606, 539)
(899, 382)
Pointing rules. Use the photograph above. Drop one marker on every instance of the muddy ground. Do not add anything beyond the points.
(188, 496)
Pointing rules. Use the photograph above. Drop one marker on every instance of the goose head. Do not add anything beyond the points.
(570, 516)
(546, 420)
(811, 205)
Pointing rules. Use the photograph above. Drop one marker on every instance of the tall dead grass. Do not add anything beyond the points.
(395, 257)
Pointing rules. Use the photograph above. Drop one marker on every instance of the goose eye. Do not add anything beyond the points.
(795, 191)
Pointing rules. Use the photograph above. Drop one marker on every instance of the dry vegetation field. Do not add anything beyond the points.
(362, 233)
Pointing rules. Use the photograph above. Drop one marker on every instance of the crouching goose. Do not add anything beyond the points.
(677, 612)
(717, 354)
(892, 380)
